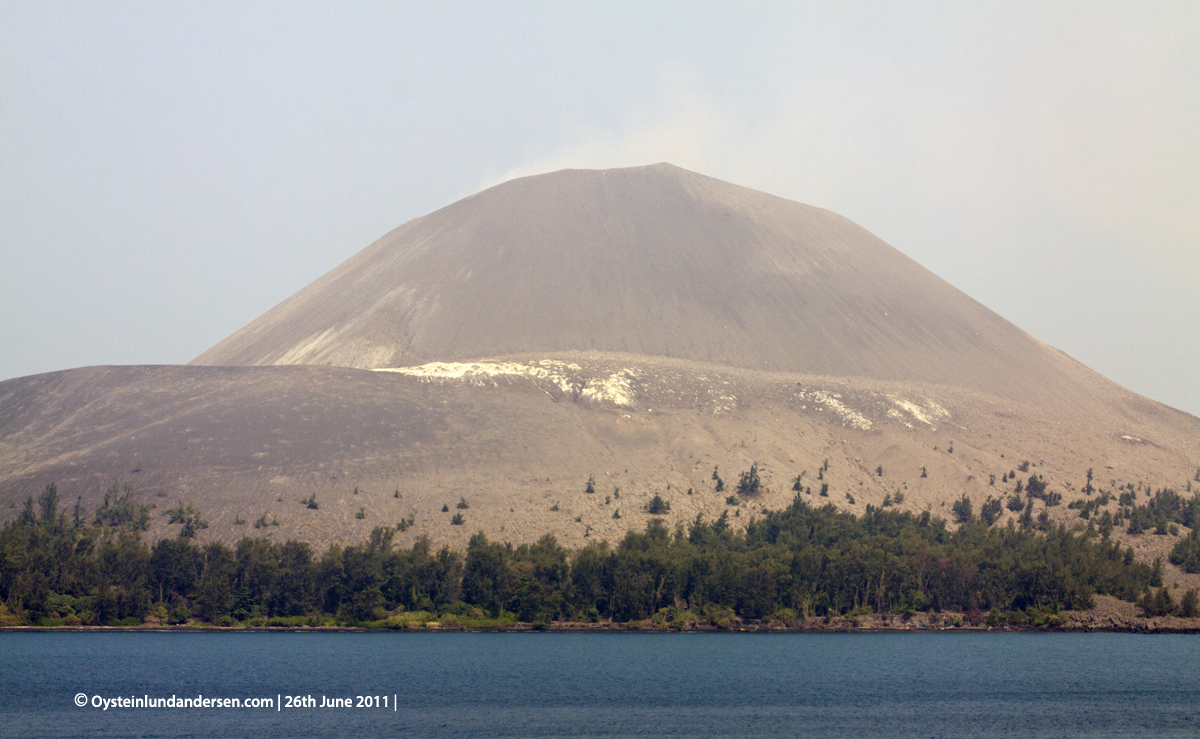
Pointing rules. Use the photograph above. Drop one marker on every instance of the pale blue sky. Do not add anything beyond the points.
(169, 171)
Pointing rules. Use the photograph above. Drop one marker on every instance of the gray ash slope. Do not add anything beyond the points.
(654, 261)
(638, 326)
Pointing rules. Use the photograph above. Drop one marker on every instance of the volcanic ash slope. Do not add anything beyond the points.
(639, 327)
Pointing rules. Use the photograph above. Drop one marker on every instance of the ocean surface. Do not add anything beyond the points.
(603, 685)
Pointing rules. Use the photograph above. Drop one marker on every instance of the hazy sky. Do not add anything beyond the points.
(170, 171)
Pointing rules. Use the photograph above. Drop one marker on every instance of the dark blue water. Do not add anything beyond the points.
(609, 685)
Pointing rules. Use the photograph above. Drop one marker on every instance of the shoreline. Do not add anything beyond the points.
(591, 628)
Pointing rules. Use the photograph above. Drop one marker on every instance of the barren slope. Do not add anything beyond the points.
(652, 261)
(518, 437)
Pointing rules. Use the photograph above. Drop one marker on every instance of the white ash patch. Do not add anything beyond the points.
(724, 405)
(307, 348)
(617, 389)
(480, 373)
(929, 415)
(1136, 440)
(832, 401)
(898, 416)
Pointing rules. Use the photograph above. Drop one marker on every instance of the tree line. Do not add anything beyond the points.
(803, 561)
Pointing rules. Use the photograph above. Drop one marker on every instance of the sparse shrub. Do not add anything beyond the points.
(457, 520)
(361, 513)
(118, 509)
(657, 505)
(924, 472)
(732, 500)
(189, 517)
(311, 503)
(749, 483)
(462, 504)
(445, 508)
(617, 513)
(591, 485)
(824, 490)
(879, 471)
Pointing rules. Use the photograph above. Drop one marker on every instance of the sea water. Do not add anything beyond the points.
(599, 685)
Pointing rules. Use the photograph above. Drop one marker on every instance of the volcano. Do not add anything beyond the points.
(650, 261)
(561, 348)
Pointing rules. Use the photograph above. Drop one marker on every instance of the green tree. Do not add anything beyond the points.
(749, 483)
(215, 589)
(1189, 607)
(963, 510)
(48, 508)
(488, 577)
(991, 509)
(1186, 552)
(657, 505)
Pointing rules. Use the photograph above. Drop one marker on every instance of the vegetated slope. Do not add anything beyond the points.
(654, 261)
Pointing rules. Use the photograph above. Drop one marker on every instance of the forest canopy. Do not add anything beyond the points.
(805, 560)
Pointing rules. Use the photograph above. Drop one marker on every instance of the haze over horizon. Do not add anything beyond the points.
(169, 173)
